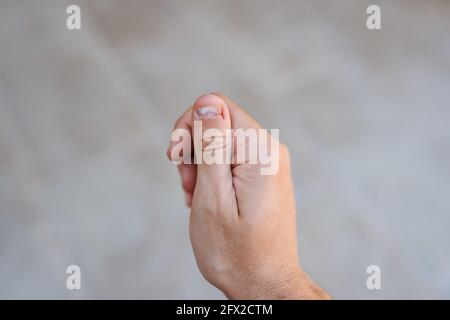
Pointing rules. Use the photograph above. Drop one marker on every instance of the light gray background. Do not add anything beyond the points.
(85, 118)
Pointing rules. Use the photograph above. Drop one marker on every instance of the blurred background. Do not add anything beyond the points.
(85, 118)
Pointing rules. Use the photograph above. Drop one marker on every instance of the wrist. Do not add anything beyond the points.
(293, 284)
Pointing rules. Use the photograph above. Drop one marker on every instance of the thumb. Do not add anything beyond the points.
(212, 142)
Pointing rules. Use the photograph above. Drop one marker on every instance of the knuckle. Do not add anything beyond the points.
(217, 93)
(284, 155)
(284, 151)
(178, 123)
(186, 183)
(169, 153)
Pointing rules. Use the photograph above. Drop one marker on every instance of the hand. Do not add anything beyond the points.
(242, 223)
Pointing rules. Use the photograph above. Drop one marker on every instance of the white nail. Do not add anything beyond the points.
(207, 112)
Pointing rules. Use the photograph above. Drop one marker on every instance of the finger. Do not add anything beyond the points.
(183, 123)
(187, 171)
(210, 121)
(214, 192)
(240, 119)
(188, 175)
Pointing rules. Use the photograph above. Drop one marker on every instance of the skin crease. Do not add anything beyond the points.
(242, 223)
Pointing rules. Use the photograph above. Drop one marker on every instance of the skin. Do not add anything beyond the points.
(242, 223)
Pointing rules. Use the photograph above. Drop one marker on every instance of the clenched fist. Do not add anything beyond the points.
(242, 222)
